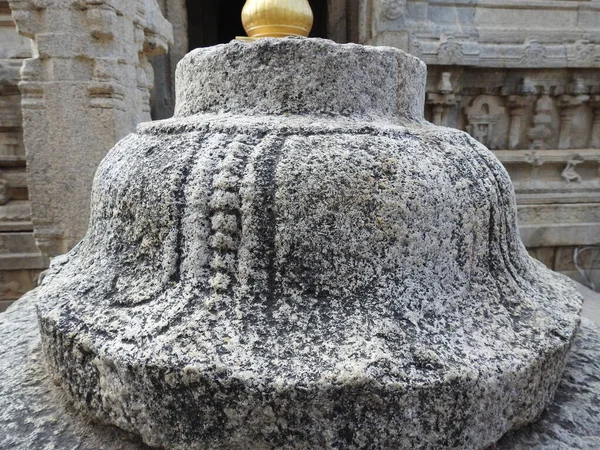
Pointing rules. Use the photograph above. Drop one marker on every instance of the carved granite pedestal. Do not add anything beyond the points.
(299, 260)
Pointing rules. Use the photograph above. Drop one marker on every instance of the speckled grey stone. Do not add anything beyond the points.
(299, 260)
(35, 415)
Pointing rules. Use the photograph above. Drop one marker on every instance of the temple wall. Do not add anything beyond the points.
(522, 77)
(20, 260)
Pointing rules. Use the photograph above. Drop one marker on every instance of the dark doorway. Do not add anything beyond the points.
(212, 22)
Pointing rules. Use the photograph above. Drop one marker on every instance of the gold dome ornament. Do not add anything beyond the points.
(277, 18)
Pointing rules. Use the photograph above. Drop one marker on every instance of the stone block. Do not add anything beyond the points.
(299, 260)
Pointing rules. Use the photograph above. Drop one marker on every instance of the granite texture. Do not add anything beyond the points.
(35, 414)
(299, 260)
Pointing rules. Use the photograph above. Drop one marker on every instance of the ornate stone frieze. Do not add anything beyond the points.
(494, 33)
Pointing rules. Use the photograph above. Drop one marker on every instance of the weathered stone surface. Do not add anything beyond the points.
(163, 94)
(522, 78)
(33, 410)
(299, 260)
(494, 33)
(86, 86)
(20, 260)
(35, 414)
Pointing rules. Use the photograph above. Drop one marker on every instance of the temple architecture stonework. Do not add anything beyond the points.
(522, 77)
(84, 81)
(298, 260)
(519, 76)
(20, 259)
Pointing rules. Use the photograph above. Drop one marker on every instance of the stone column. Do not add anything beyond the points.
(542, 121)
(595, 134)
(443, 99)
(20, 260)
(163, 95)
(86, 87)
(517, 106)
(568, 104)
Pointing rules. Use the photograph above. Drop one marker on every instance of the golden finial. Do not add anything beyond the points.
(277, 18)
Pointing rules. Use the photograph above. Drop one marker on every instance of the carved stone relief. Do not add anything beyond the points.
(534, 53)
(450, 51)
(443, 99)
(393, 9)
(595, 133)
(4, 192)
(542, 122)
(517, 106)
(21, 260)
(569, 173)
(483, 115)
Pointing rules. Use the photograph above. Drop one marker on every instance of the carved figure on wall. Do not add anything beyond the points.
(584, 52)
(393, 9)
(569, 173)
(534, 53)
(542, 121)
(450, 51)
(482, 116)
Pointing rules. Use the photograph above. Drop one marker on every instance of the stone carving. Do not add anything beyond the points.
(4, 192)
(568, 104)
(584, 53)
(450, 51)
(415, 48)
(542, 121)
(85, 89)
(21, 260)
(393, 9)
(569, 173)
(443, 99)
(517, 106)
(569, 214)
(595, 132)
(494, 33)
(534, 53)
(318, 245)
(27, 391)
(483, 114)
